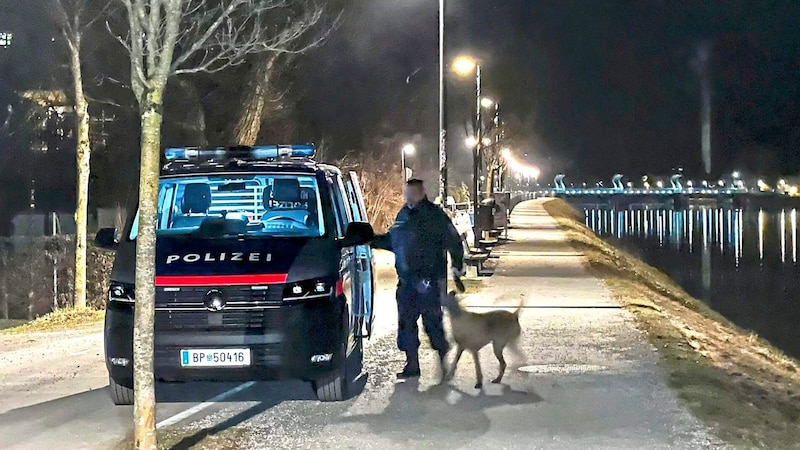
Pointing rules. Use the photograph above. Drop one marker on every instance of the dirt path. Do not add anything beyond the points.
(43, 366)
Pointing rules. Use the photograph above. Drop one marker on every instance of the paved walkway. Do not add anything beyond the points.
(597, 376)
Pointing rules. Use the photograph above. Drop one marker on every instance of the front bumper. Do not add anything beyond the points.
(282, 341)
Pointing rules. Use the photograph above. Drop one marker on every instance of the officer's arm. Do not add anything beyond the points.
(383, 242)
(452, 241)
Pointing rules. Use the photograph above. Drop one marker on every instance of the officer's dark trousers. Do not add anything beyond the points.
(415, 299)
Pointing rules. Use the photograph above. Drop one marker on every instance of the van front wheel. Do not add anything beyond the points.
(333, 387)
(120, 394)
(336, 386)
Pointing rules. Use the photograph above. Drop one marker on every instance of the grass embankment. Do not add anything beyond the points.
(63, 319)
(744, 388)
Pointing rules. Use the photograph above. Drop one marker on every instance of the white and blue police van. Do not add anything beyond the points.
(263, 272)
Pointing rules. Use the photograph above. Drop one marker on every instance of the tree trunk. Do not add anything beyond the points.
(4, 282)
(193, 124)
(254, 100)
(84, 158)
(490, 174)
(143, 379)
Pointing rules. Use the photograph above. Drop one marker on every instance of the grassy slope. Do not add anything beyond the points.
(744, 388)
(60, 320)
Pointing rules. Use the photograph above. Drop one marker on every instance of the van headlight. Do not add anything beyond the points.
(307, 290)
(121, 293)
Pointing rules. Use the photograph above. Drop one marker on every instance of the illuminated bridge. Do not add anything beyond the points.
(676, 187)
(676, 195)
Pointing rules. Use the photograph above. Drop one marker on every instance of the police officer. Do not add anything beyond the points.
(420, 237)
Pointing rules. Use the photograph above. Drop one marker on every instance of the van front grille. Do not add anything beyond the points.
(236, 297)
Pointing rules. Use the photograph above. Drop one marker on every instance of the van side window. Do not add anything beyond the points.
(343, 216)
(353, 201)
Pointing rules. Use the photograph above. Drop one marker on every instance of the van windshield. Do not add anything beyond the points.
(234, 205)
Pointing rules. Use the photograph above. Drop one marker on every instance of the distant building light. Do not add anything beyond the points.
(6, 38)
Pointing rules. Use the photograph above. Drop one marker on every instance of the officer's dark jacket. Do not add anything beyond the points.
(419, 239)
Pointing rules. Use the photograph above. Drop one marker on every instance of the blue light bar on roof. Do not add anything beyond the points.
(289, 151)
(258, 153)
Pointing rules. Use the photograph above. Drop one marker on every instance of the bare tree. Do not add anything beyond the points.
(167, 38)
(493, 156)
(4, 249)
(307, 30)
(494, 164)
(71, 17)
(255, 96)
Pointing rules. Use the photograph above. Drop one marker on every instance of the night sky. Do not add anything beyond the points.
(590, 88)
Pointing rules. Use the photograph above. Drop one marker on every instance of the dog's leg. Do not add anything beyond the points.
(452, 371)
(498, 352)
(478, 372)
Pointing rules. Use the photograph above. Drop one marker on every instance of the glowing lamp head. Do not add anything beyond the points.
(464, 65)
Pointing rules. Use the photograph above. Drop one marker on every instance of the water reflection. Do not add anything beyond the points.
(743, 263)
(723, 229)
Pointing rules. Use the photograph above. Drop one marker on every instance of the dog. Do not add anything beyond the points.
(473, 331)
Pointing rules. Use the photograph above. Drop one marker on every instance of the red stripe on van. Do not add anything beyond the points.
(220, 280)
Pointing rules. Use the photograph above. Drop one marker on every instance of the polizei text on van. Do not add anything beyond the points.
(220, 257)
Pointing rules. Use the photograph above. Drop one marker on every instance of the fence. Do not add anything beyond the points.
(37, 275)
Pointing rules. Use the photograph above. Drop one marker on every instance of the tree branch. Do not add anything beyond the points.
(135, 49)
(154, 40)
(227, 41)
(171, 32)
(201, 41)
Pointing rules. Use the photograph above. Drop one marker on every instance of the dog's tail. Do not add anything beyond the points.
(519, 308)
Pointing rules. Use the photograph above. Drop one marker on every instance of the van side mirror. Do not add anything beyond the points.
(357, 233)
(106, 238)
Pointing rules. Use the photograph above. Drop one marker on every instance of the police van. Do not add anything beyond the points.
(263, 272)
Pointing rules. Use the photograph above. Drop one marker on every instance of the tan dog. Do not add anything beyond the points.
(473, 331)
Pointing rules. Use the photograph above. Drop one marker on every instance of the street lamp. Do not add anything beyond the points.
(471, 142)
(407, 149)
(465, 66)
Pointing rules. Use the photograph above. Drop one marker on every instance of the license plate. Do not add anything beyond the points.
(218, 357)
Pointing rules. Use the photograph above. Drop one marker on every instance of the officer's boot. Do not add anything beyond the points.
(411, 370)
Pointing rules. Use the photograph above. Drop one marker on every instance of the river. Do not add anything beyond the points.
(742, 263)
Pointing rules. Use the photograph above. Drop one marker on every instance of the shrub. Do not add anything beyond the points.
(27, 275)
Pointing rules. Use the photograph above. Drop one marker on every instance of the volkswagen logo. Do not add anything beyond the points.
(214, 300)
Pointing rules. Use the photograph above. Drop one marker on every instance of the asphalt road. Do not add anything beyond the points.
(54, 387)
(588, 379)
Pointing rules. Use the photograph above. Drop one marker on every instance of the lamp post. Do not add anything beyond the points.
(442, 113)
(465, 65)
(407, 149)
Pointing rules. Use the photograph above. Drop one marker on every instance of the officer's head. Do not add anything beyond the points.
(415, 192)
